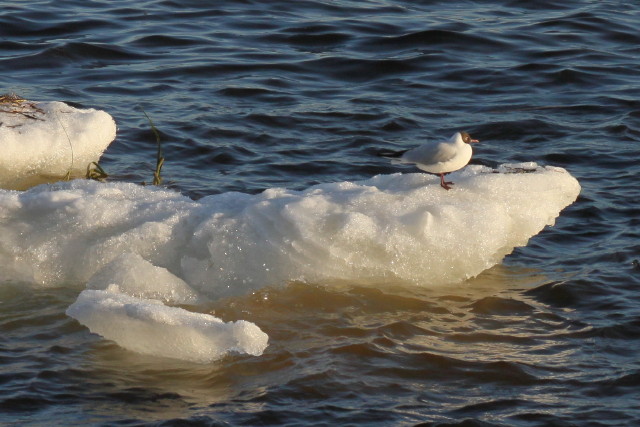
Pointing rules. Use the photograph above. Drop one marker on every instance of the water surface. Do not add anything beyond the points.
(253, 95)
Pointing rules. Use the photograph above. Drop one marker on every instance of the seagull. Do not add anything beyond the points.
(438, 158)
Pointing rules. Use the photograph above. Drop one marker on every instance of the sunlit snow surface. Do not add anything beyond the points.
(45, 141)
(139, 247)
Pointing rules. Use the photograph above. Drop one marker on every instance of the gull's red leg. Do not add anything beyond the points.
(445, 184)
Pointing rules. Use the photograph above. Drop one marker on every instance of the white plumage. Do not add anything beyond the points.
(439, 157)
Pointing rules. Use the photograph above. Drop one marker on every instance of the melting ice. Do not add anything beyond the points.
(139, 247)
(148, 326)
(45, 141)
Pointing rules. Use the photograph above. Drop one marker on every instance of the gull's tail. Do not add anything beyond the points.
(394, 156)
(391, 154)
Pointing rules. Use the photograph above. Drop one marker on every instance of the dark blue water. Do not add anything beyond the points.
(249, 95)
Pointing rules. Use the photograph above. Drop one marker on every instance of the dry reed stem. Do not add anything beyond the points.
(11, 103)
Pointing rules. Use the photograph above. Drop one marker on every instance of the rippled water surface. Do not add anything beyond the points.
(251, 95)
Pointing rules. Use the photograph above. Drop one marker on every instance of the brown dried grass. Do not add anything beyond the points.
(13, 104)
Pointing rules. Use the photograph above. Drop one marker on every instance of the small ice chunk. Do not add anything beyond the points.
(518, 167)
(149, 327)
(137, 277)
(45, 141)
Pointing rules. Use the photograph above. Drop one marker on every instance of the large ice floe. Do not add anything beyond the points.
(142, 251)
(46, 141)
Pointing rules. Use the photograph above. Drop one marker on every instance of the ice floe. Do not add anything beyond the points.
(149, 327)
(46, 141)
(400, 227)
(139, 247)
